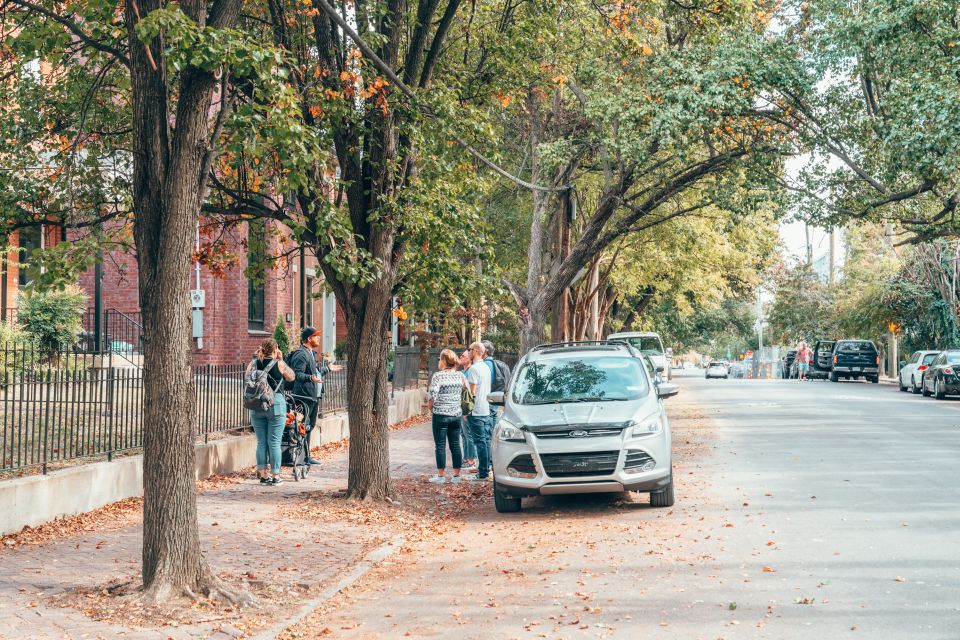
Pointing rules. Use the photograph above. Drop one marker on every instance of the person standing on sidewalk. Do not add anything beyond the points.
(309, 376)
(803, 360)
(469, 449)
(268, 425)
(480, 421)
(443, 400)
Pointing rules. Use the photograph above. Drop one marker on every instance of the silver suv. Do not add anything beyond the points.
(582, 418)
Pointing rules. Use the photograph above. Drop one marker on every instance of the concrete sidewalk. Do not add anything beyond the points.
(285, 560)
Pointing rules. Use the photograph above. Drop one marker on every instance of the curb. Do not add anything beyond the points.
(373, 558)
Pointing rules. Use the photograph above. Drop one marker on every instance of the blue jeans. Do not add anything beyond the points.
(268, 425)
(480, 430)
(447, 428)
(469, 449)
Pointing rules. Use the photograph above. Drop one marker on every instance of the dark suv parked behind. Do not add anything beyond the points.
(855, 358)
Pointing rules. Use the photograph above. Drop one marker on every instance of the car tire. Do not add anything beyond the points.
(913, 385)
(923, 390)
(876, 380)
(903, 387)
(503, 502)
(663, 497)
(834, 377)
(941, 390)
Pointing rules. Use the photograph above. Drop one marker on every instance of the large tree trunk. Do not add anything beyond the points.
(532, 322)
(167, 182)
(368, 327)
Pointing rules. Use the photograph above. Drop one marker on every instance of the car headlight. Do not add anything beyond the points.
(507, 432)
(647, 427)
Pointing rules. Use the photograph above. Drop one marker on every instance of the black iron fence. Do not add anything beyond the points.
(63, 406)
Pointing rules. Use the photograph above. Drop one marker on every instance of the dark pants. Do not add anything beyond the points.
(310, 418)
(480, 430)
(447, 429)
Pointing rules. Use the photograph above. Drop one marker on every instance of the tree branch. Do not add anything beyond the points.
(75, 29)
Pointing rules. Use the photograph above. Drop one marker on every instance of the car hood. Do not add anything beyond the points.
(550, 417)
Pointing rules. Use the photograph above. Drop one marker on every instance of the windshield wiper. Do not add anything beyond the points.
(596, 399)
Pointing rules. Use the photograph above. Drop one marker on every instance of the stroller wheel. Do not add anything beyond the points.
(305, 470)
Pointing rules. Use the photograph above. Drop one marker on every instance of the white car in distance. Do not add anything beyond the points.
(911, 373)
(648, 343)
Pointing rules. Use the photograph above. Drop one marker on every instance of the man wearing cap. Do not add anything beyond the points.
(306, 385)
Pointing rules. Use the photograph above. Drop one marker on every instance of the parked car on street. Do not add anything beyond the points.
(787, 371)
(942, 376)
(717, 370)
(855, 358)
(821, 362)
(647, 342)
(911, 371)
(582, 418)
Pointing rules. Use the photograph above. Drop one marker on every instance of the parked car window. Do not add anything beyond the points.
(644, 344)
(927, 359)
(587, 379)
(939, 360)
(953, 358)
(915, 358)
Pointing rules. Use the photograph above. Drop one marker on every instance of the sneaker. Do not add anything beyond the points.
(455, 480)
(475, 478)
(438, 479)
(264, 480)
(276, 481)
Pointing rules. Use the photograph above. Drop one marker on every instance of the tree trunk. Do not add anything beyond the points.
(368, 402)
(167, 182)
(532, 322)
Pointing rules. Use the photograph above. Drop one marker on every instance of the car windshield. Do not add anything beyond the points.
(580, 379)
(856, 345)
(644, 344)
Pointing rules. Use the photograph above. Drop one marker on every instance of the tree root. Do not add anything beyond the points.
(164, 591)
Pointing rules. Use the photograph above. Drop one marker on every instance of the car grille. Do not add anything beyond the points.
(570, 465)
(636, 459)
(523, 463)
(581, 432)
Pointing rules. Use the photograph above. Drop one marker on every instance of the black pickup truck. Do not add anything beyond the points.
(855, 358)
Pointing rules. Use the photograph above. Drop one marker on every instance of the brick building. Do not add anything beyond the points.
(236, 312)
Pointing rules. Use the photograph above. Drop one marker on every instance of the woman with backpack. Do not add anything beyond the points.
(444, 400)
(268, 422)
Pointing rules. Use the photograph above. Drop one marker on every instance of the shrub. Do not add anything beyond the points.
(281, 336)
(340, 351)
(52, 318)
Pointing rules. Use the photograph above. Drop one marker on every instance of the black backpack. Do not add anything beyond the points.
(501, 376)
(258, 393)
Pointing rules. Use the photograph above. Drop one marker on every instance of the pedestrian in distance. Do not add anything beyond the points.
(480, 422)
(804, 354)
(308, 385)
(469, 449)
(268, 423)
(499, 375)
(443, 400)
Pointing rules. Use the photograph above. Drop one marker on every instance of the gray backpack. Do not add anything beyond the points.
(258, 394)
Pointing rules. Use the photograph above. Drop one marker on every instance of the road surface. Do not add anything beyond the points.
(807, 510)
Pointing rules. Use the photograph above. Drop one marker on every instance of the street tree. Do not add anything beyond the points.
(112, 121)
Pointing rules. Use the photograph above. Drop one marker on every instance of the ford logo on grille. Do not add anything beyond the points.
(579, 433)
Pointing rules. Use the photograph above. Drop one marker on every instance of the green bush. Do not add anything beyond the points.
(52, 318)
(340, 351)
(281, 336)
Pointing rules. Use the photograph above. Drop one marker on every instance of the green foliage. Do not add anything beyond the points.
(53, 317)
(340, 350)
(281, 336)
(803, 306)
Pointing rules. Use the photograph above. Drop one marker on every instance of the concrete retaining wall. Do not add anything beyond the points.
(34, 500)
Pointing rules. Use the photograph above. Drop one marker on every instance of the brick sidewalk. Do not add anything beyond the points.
(242, 535)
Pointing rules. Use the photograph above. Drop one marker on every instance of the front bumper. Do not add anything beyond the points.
(554, 463)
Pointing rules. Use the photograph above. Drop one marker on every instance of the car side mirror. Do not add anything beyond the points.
(667, 389)
(495, 398)
(660, 368)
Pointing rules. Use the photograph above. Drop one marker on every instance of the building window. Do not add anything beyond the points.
(256, 275)
(29, 242)
(309, 303)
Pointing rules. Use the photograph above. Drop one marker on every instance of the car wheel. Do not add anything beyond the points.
(941, 390)
(913, 385)
(834, 377)
(663, 497)
(503, 502)
(923, 389)
(900, 384)
(876, 380)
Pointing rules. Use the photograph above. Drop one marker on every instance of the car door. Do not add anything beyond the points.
(930, 375)
(910, 368)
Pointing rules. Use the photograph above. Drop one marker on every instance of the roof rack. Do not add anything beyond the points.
(578, 343)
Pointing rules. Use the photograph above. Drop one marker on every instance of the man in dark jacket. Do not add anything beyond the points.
(309, 374)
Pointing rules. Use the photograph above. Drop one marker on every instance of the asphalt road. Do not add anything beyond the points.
(805, 510)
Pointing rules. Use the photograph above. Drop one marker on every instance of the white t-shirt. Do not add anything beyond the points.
(479, 374)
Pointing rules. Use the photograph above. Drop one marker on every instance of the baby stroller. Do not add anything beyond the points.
(293, 443)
